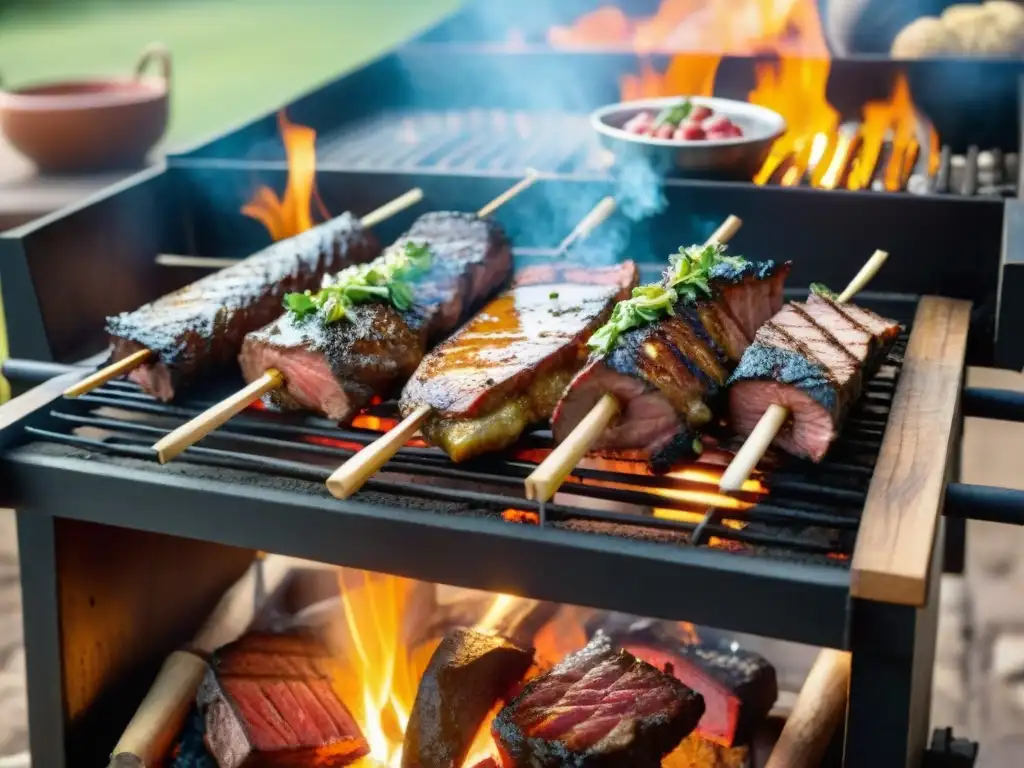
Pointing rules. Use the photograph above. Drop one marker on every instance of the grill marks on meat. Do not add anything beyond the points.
(267, 701)
(507, 367)
(663, 374)
(201, 326)
(335, 369)
(598, 707)
(467, 674)
(812, 358)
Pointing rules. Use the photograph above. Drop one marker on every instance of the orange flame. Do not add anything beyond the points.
(735, 27)
(288, 216)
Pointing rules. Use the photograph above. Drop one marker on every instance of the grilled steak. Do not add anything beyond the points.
(201, 326)
(468, 673)
(336, 368)
(268, 701)
(598, 707)
(507, 367)
(663, 373)
(811, 358)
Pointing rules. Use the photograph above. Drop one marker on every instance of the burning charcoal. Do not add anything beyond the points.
(487, 762)
(598, 707)
(267, 700)
(697, 752)
(467, 674)
(739, 687)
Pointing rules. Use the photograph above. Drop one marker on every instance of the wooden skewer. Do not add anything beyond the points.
(773, 420)
(188, 434)
(353, 474)
(133, 361)
(549, 475)
(159, 717)
(818, 711)
(176, 441)
(112, 371)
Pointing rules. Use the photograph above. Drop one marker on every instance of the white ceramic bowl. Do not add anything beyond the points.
(734, 158)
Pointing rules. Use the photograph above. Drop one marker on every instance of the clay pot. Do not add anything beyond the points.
(90, 125)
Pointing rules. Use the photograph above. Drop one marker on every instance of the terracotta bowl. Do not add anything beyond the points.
(90, 125)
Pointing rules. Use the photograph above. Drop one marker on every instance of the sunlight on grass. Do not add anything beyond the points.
(233, 59)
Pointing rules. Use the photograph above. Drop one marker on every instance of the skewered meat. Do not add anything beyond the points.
(507, 367)
(663, 373)
(268, 701)
(201, 326)
(336, 368)
(812, 358)
(598, 707)
(467, 674)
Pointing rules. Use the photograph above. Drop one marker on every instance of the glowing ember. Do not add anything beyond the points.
(288, 216)
(373, 423)
(690, 634)
(521, 516)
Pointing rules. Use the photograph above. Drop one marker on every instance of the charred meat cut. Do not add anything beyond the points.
(201, 326)
(468, 673)
(811, 358)
(664, 373)
(506, 368)
(269, 702)
(336, 368)
(599, 707)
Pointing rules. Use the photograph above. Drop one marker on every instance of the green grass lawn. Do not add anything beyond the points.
(232, 58)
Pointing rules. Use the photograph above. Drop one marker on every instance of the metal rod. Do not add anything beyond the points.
(34, 371)
(999, 404)
(983, 502)
(969, 184)
(940, 182)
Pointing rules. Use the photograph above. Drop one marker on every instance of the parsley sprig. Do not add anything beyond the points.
(674, 114)
(823, 290)
(688, 277)
(384, 279)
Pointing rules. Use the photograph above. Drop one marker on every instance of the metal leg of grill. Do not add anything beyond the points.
(893, 650)
(43, 671)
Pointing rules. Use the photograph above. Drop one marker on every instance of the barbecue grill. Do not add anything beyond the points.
(122, 557)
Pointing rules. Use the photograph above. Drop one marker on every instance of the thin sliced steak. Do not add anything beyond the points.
(336, 368)
(811, 358)
(268, 703)
(507, 367)
(200, 327)
(598, 707)
(468, 673)
(665, 373)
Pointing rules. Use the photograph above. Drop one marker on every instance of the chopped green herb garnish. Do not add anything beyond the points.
(553, 295)
(384, 279)
(697, 445)
(821, 289)
(674, 114)
(688, 277)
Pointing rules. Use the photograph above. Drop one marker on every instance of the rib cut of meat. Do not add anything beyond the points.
(336, 368)
(506, 368)
(200, 327)
(468, 673)
(812, 358)
(269, 702)
(665, 373)
(598, 707)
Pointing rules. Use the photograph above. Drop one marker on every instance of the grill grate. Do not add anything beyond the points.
(810, 511)
(509, 142)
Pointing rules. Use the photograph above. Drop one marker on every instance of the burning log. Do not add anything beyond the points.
(600, 706)
(267, 700)
(698, 752)
(467, 674)
(739, 687)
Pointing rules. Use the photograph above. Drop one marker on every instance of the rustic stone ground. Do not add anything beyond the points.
(979, 680)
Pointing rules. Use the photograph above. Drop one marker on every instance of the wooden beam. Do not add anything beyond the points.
(893, 552)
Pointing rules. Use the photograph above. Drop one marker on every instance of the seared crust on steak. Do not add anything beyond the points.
(598, 708)
(812, 358)
(201, 326)
(336, 368)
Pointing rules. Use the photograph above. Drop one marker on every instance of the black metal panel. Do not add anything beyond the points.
(1009, 340)
(792, 601)
(85, 263)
